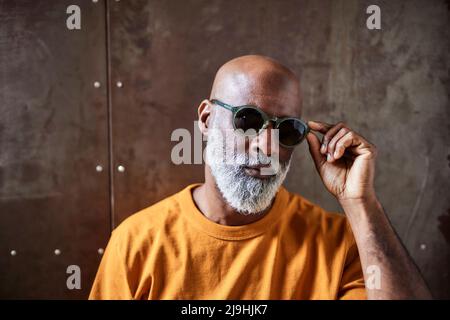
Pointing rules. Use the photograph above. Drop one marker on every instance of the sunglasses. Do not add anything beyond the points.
(291, 131)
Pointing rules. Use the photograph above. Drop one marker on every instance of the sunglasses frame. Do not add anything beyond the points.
(266, 118)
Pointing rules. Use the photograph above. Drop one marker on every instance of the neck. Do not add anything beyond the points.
(213, 206)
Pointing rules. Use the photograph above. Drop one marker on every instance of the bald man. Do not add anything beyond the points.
(241, 234)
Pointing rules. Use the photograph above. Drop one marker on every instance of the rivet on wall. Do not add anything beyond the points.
(99, 168)
(97, 84)
(94, 1)
(120, 168)
(57, 252)
(119, 84)
(423, 246)
(100, 251)
(13, 252)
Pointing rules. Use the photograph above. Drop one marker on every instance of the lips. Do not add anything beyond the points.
(257, 167)
(255, 171)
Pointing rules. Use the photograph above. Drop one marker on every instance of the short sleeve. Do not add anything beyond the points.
(112, 281)
(352, 281)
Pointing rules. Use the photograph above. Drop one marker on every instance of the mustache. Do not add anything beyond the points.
(269, 165)
(218, 153)
(259, 160)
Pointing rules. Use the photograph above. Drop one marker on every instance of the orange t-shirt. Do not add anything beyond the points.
(172, 251)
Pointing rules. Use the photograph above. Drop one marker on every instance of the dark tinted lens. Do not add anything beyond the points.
(291, 132)
(248, 118)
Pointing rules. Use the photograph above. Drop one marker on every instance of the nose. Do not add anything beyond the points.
(263, 141)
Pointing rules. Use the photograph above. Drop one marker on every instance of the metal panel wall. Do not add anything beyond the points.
(389, 84)
(53, 137)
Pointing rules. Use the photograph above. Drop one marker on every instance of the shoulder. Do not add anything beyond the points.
(316, 221)
(141, 228)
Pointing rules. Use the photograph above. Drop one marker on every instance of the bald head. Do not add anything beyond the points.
(260, 81)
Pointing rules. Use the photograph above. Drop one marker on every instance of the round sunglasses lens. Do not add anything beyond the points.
(291, 132)
(248, 118)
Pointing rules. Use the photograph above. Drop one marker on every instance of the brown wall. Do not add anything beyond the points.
(56, 127)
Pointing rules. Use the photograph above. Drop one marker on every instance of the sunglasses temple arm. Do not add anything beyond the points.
(223, 105)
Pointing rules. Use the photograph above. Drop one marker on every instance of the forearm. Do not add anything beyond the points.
(379, 246)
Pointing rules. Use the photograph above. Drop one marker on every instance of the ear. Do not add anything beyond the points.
(204, 116)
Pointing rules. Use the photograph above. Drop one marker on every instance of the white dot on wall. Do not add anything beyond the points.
(13, 252)
(423, 246)
(99, 168)
(100, 251)
(119, 84)
(97, 84)
(121, 168)
(57, 252)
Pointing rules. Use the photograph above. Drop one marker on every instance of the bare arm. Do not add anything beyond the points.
(346, 163)
(379, 247)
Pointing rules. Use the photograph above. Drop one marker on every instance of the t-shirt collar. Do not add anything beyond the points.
(198, 220)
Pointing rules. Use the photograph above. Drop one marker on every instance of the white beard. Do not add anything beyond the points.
(246, 194)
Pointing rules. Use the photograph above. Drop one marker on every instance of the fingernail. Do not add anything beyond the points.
(328, 157)
(323, 147)
(335, 154)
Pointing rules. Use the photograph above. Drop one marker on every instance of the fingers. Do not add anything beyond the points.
(314, 149)
(346, 141)
(330, 149)
(318, 126)
(329, 135)
(337, 139)
(328, 131)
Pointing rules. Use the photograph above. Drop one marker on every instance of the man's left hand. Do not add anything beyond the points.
(345, 160)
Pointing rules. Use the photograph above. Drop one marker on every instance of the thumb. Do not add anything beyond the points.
(314, 150)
